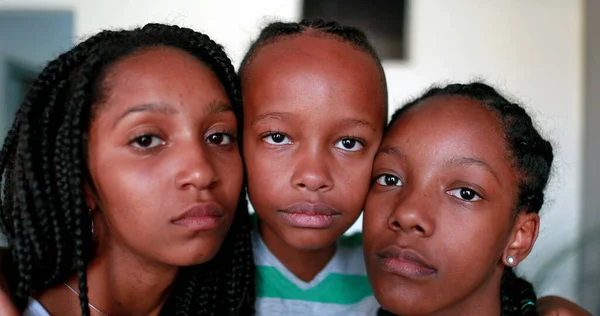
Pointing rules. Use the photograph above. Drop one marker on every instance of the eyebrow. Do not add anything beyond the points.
(348, 123)
(391, 151)
(270, 116)
(214, 107)
(217, 107)
(470, 161)
(148, 107)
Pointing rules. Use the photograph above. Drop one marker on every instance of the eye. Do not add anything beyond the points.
(277, 139)
(145, 142)
(465, 194)
(389, 180)
(349, 144)
(220, 139)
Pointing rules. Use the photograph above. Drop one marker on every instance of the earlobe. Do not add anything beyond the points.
(90, 197)
(522, 239)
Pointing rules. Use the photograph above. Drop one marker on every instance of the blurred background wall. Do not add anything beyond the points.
(543, 54)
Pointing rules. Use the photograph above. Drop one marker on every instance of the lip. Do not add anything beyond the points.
(204, 216)
(404, 262)
(309, 215)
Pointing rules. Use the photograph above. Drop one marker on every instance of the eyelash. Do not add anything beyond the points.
(268, 134)
(376, 180)
(228, 133)
(136, 138)
(477, 196)
(359, 140)
(264, 137)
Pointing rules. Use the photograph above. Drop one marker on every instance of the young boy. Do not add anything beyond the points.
(315, 107)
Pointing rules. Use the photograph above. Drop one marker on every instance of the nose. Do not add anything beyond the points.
(412, 215)
(312, 172)
(194, 169)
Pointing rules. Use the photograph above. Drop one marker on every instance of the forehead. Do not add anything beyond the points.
(447, 127)
(161, 62)
(320, 66)
(161, 72)
(313, 51)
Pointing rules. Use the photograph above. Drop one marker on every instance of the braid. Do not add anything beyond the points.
(532, 157)
(43, 172)
(23, 252)
(517, 295)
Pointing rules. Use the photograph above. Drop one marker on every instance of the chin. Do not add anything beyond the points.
(187, 260)
(189, 256)
(311, 239)
(399, 301)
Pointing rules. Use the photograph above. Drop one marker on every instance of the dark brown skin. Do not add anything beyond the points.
(549, 306)
(159, 144)
(558, 306)
(6, 306)
(445, 191)
(313, 120)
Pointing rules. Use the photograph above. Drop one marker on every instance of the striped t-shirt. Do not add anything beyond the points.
(341, 288)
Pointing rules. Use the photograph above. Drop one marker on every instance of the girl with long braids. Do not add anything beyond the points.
(121, 181)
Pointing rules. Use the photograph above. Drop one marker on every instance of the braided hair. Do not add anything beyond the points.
(277, 31)
(532, 157)
(43, 172)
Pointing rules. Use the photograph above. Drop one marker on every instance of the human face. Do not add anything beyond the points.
(164, 163)
(441, 209)
(313, 119)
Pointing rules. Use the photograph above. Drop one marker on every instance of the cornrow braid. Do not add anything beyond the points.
(532, 157)
(278, 31)
(43, 172)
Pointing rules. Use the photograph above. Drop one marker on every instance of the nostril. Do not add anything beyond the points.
(396, 224)
(420, 229)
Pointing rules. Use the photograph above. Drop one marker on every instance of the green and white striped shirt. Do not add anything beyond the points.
(341, 288)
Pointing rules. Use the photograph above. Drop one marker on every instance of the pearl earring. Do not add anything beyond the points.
(510, 260)
(91, 220)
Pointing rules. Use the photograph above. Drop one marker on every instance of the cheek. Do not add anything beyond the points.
(469, 250)
(261, 164)
(129, 190)
(375, 218)
(230, 170)
(265, 171)
(353, 179)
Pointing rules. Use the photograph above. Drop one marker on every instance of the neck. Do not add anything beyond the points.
(303, 263)
(119, 283)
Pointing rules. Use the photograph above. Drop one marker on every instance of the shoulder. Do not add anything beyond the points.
(35, 309)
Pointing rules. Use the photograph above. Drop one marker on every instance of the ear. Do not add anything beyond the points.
(525, 232)
(90, 197)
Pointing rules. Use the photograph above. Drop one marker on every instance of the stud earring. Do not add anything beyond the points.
(92, 220)
(510, 260)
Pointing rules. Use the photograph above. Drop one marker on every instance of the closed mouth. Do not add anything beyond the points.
(404, 262)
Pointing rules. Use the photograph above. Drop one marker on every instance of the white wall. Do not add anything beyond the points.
(533, 49)
(590, 216)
